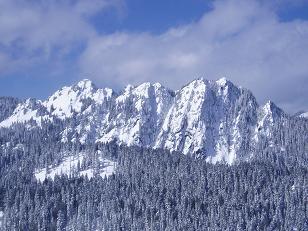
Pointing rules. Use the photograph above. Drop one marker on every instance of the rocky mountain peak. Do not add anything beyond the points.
(86, 84)
(214, 119)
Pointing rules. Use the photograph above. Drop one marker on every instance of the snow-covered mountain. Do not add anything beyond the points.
(214, 119)
(304, 115)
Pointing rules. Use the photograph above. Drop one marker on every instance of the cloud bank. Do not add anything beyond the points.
(242, 40)
(48, 30)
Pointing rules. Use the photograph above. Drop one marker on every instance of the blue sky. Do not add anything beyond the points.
(261, 45)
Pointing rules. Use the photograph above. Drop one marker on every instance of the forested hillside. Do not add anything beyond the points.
(150, 189)
(7, 106)
(156, 190)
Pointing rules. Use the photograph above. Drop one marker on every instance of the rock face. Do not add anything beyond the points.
(215, 119)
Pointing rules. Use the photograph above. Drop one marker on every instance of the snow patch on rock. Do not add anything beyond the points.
(25, 112)
(304, 115)
(71, 165)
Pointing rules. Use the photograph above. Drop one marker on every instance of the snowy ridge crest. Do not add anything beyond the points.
(214, 119)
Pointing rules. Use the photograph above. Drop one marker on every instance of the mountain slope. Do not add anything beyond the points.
(304, 115)
(213, 119)
(7, 106)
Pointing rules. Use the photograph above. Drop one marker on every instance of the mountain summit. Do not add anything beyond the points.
(216, 120)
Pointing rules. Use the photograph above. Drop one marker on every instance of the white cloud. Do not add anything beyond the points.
(243, 40)
(36, 30)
